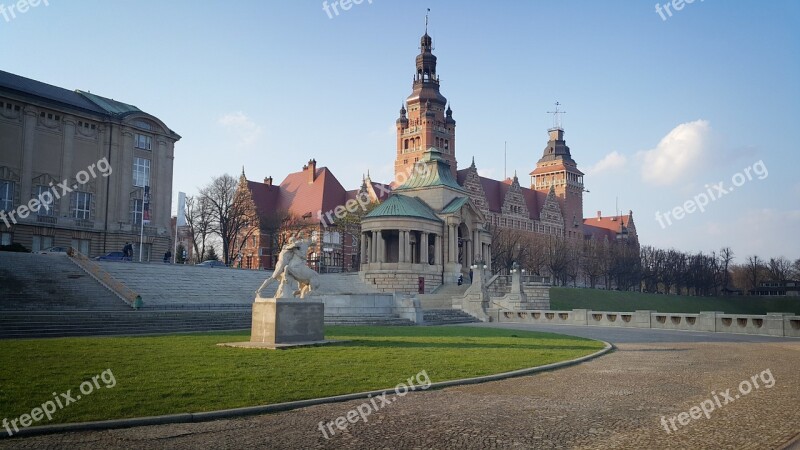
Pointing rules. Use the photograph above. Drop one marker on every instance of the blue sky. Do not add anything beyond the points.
(656, 109)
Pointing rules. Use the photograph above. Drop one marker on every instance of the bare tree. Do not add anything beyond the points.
(230, 212)
(198, 220)
(755, 269)
(779, 269)
(592, 260)
(725, 259)
(508, 246)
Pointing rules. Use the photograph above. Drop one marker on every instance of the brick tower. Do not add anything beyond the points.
(425, 119)
(556, 168)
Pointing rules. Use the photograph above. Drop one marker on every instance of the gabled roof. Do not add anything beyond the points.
(265, 197)
(299, 196)
(455, 205)
(496, 190)
(403, 206)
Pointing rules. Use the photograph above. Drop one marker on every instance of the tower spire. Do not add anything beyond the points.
(426, 20)
(557, 116)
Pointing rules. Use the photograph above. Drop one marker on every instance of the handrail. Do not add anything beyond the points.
(112, 284)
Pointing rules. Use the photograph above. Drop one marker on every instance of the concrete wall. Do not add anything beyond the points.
(771, 324)
(371, 305)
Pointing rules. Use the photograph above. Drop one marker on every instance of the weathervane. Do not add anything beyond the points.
(556, 116)
(426, 21)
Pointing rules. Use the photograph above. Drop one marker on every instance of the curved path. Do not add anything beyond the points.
(615, 401)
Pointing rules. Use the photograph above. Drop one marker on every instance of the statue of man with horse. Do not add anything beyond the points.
(292, 272)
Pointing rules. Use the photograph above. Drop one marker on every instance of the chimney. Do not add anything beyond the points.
(599, 216)
(268, 181)
(312, 170)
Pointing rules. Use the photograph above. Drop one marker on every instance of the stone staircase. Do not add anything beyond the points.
(367, 320)
(175, 286)
(447, 317)
(42, 324)
(31, 282)
(442, 297)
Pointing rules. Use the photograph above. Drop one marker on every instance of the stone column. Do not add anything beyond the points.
(402, 238)
(423, 248)
(126, 169)
(453, 242)
(489, 257)
(67, 171)
(372, 250)
(476, 241)
(28, 147)
(437, 249)
(363, 253)
(380, 257)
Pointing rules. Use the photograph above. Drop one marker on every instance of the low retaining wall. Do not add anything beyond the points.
(371, 305)
(771, 324)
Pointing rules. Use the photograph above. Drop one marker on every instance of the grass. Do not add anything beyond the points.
(599, 300)
(189, 373)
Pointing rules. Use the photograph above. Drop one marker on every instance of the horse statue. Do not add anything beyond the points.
(292, 272)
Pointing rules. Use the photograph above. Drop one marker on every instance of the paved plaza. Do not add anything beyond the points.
(615, 401)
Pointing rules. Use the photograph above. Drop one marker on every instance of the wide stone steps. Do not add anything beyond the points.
(26, 324)
(47, 282)
(17, 324)
(447, 317)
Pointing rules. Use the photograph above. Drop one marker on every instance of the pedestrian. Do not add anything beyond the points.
(167, 256)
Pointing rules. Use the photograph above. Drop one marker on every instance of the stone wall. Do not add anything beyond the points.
(401, 282)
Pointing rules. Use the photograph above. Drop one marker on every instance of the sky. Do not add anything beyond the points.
(661, 107)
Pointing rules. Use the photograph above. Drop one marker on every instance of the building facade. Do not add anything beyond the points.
(76, 168)
(435, 221)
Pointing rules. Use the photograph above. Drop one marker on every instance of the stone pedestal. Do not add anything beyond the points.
(287, 321)
(280, 323)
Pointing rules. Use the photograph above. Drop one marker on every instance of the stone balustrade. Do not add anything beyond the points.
(770, 324)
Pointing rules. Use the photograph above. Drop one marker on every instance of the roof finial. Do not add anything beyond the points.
(557, 116)
(426, 21)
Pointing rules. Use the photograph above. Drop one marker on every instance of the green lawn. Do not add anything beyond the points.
(189, 373)
(599, 300)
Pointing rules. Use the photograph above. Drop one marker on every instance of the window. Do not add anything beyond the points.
(331, 237)
(141, 172)
(81, 205)
(6, 195)
(47, 200)
(143, 142)
(41, 243)
(136, 211)
(263, 251)
(81, 245)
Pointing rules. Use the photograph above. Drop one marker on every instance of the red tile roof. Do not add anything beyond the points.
(600, 227)
(299, 195)
(496, 191)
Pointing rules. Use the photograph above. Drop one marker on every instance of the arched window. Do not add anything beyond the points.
(405, 145)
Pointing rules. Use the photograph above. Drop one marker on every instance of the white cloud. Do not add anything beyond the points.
(678, 155)
(244, 129)
(610, 162)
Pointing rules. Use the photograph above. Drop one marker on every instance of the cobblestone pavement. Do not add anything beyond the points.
(615, 401)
